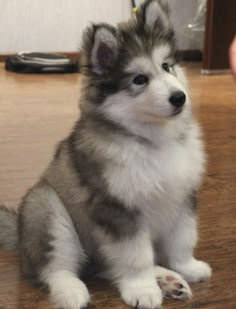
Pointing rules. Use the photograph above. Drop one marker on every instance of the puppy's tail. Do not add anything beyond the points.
(8, 228)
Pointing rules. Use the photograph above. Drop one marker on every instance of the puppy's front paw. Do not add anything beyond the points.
(194, 270)
(68, 292)
(142, 295)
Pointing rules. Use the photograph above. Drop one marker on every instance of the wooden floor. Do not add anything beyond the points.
(36, 111)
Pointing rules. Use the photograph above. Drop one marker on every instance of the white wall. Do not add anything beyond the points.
(53, 25)
(57, 25)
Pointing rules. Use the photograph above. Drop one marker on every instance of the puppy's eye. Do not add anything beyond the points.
(166, 67)
(141, 79)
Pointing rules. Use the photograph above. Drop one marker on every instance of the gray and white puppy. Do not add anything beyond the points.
(119, 194)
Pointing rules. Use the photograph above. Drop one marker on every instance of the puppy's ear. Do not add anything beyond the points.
(101, 45)
(154, 14)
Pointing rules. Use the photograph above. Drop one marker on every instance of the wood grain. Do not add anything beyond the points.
(38, 110)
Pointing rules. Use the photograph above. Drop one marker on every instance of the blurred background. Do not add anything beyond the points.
(57, 25)
(204, 28)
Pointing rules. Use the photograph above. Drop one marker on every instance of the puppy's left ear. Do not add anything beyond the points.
(154, 15)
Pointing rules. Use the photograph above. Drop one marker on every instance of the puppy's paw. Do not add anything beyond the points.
(68, 292)
(142, 295)
(172, 284)
(194, 270)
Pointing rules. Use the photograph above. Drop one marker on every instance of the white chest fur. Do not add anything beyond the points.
(157, 180)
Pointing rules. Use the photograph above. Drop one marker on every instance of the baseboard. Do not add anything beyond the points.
(215, 72)
(3, 57)
(190, 55)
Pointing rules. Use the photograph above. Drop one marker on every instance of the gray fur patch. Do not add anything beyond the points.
(34, 237)
(8, 228)
(104, 210)
(193, 201)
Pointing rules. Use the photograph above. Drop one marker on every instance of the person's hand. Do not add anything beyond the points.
(232, 55)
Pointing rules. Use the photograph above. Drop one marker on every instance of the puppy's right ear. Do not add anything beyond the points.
(154, 15)
(101, 46)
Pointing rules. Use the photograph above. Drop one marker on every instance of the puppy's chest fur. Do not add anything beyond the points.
(156, 180)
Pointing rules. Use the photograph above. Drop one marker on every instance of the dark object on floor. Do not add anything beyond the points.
(193, 55)
(41, 63)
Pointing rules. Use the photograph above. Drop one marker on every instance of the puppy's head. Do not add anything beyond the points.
(131, 72)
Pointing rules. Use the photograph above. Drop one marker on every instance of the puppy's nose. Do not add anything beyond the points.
(178, 99)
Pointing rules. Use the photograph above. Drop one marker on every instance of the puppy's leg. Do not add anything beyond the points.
(50, 248)
(131, 265)
(178, 248)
